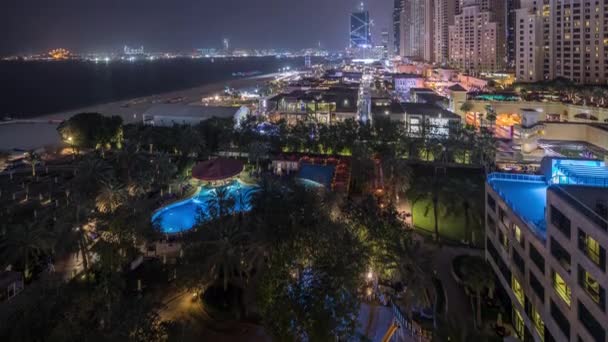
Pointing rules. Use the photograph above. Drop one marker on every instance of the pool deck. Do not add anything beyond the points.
(526, 196)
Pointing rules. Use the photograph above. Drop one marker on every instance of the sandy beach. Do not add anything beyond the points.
(40, 131)
(131, 110)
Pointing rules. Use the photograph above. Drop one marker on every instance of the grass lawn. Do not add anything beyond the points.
(451, 227)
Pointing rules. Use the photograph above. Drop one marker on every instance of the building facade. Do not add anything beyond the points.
(397, 9)
(360, 33)
(417, 29)
(477, 38)
(546, 242)
(530, 44)
(574, 39)
(444, 12)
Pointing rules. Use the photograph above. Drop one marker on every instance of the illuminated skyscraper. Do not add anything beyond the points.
(360, 34)
(397, 9)
(417, 29)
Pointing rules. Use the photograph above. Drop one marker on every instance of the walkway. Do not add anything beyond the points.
(457, 302)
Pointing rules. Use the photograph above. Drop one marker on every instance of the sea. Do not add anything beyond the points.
(33, 88)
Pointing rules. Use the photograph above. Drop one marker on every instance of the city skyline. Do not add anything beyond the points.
(32, 26)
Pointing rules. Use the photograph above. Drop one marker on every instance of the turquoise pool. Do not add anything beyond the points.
(526, 195)
(182, 216)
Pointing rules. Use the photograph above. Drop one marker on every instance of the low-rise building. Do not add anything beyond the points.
(182, 114)
(424, 119)
(546, 240)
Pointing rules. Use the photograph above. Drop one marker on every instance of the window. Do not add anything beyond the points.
(537, 321)
(560, 320)
(518, 235)
(590, 323)
(503, 240)
(491, 202)
(560, 254)
(518, 324)
(561, 288)
(596, 292)
(517, 289)
(491, 224)
(537, 259)
(592, 249)
(537, 287)
(560, 221)
(519, 262)
(502, 216)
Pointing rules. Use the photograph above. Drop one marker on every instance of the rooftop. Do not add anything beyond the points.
(582, 183)
(427, 109)
(184, 110)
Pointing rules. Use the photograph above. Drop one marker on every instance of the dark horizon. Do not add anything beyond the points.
(34, 26)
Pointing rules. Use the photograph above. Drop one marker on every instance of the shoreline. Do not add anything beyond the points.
(40, 131)
(131, 109)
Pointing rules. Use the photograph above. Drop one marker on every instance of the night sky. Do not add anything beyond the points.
(31, 26)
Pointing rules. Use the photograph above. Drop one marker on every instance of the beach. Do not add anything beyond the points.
(132, 109)
(40, 131)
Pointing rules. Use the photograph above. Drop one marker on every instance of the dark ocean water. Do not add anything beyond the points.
(33, 88)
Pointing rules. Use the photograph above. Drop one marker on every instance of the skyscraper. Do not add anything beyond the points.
(511, 8)
(417, 29)
(444, 12)
(477, 38)
(385, 43)
(573, 36)
(360, 34)
(397, 9)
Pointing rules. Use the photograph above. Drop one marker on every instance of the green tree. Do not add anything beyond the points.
(477, 276)
(111, 196)
(92, 130)
(24, 243)
(33, 159)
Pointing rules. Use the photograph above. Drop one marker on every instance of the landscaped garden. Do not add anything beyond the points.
(284, 256)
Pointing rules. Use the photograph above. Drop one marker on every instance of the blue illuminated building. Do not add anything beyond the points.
(360, 33)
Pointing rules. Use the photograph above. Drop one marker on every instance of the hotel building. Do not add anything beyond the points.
(574, 39)
(477, 38)
(546, 242)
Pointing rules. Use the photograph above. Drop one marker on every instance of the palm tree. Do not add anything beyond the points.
(220, 203)
(397, 175)
(467, 192)
(477, 276)
(258, 150)
(432, 188)
(91, 172)
(24, 242)
(111, 196)
(33, 159)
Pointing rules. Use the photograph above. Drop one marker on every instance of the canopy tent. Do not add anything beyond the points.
(217, 169)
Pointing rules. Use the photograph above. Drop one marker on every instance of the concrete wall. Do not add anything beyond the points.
(576, 132)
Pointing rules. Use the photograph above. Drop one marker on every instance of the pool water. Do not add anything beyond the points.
(184, 215)
(527, 198)
(319, 174)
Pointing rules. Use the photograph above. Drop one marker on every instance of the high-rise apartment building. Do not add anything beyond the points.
(444, 12)
(574, 40)
(360, 33)
(417, 29)
(477, 38)
(397, 9)
(511, 7)
(529, 51)
(546, 240)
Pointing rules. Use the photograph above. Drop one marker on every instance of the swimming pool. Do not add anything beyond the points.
(320, 174)
(527, 197)
(182, 216)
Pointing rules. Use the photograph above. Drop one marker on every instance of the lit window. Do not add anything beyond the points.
(517, 289)
(538, 322)
(561, 288)
(518, 324)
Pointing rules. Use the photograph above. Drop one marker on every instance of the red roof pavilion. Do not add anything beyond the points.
(217, 169)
